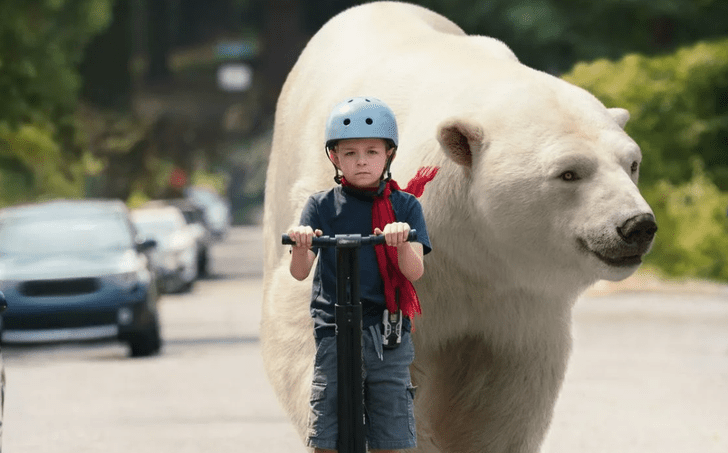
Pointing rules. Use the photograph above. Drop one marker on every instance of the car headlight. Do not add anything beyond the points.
(128, 280)
(131, 272)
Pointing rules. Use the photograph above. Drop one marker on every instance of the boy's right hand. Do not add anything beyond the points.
(303, 236)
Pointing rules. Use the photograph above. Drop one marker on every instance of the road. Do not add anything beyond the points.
(649, 373)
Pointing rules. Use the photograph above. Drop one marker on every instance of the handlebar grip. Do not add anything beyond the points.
(329, 241)
(412, 236)
(379, 239)
(317, 241)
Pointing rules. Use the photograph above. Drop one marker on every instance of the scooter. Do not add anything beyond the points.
(352, 436)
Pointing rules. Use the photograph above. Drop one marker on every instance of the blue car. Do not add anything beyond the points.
(74, 270)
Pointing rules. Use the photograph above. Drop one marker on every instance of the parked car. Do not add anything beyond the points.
(195, 218)
(75, 270)
(218, 217)
(175, 257)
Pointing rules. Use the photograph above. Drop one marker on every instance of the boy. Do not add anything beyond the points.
(361, 142)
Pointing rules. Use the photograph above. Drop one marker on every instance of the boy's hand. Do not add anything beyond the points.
(301, 255)
(409, 254)
(303, 236)
(395, 233)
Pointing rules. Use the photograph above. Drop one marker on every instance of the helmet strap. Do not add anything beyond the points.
(337, 176)
(387, 172)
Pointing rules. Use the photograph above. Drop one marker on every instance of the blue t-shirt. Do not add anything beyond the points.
(342, 210)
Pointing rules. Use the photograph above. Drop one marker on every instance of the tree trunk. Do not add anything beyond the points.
(283, 40)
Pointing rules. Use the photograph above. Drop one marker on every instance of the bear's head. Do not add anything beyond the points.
(552, 180)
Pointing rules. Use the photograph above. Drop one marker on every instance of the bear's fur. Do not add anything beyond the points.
(536, 199)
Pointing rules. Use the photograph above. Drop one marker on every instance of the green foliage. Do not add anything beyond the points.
(216, 182)
(137, 199)
(32, 166)
(678, 105)
(692, 240)
(41, 44)
(679, 117)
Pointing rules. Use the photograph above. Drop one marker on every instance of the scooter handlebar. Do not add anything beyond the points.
(347, 240)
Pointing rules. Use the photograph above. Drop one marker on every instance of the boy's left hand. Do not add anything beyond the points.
(395, 233)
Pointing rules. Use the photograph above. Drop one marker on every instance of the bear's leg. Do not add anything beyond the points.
(474, 398)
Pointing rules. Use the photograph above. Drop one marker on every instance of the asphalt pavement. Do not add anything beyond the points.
(648, 374)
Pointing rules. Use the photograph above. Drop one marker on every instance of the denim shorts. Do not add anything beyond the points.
(388, 394)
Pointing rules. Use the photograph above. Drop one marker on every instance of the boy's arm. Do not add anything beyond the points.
(409, 254)
(301, 262)
(409, 258)
(302, 257)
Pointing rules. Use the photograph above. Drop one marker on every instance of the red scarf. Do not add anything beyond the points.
(395, 283)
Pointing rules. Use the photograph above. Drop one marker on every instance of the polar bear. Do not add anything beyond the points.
(536, 199)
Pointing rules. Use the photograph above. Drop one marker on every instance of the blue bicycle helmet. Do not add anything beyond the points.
(361, 117)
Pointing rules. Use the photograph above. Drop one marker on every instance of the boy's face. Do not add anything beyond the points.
(361, 160)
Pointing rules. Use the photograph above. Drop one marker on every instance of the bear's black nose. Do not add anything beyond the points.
(638, 230)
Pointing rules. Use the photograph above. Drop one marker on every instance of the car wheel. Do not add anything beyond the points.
(184, 287)
(147, 342)
(188, 287)
(202, 263)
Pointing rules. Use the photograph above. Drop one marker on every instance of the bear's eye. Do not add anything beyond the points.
(635, 166)
(569, 176)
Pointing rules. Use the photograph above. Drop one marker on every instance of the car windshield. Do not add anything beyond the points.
(65, 235)
(156, 227)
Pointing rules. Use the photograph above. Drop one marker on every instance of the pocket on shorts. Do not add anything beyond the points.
(411, 392)
(323, 345)
(318, 393)
(318, 397)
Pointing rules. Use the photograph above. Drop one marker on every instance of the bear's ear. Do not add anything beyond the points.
(460, 138)
(621, 116)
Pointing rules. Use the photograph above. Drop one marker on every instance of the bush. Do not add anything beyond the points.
(678, 105)
(692, 240)
(32, 166)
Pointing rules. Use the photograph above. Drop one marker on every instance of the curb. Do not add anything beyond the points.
(646, 282)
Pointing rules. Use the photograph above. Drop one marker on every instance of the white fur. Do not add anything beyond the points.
(494, 339)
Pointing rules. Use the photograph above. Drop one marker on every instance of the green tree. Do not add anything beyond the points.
(41, 44)
(106, 62)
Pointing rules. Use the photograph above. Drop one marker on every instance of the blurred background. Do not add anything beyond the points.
(139, 100)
